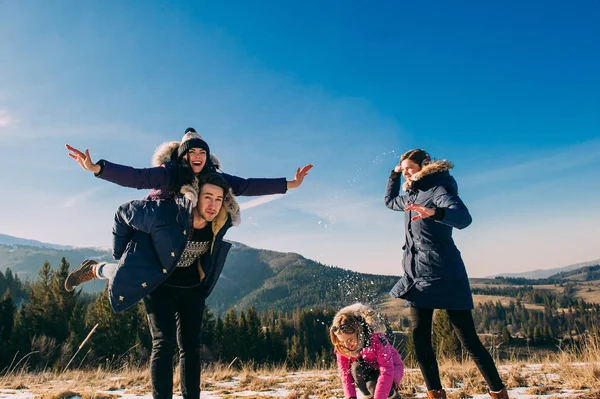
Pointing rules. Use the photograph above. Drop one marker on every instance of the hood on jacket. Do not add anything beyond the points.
(430, 169)
(167, 152)
(373, 319)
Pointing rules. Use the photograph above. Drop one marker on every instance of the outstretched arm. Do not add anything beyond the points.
(299, 177)
(126, 176)
(263, 186)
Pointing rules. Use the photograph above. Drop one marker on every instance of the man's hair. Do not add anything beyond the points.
(216, 179)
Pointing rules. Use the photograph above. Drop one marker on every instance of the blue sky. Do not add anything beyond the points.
(510, 92)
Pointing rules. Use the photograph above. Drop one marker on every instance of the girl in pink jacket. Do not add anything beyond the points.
(365, 358)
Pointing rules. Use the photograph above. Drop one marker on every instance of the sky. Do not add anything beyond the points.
(507, 91)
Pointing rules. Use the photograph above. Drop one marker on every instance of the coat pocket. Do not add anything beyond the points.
(429, 264)
(401, 288)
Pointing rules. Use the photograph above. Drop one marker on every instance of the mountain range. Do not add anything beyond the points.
(251, 277)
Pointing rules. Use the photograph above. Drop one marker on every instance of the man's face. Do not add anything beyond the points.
(197, 159)
(210, 201)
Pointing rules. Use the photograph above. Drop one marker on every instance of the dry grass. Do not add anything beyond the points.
(553, 374)
(543, 390)
(70, 394)
(462, 380)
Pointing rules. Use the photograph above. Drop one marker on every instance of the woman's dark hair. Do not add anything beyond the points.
(418, 156)
(182, 173)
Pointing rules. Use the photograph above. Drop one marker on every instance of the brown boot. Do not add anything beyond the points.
(500, 394)
(439, 394)
(85, 272)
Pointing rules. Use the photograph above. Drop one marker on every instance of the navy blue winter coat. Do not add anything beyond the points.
(434, 273)
(149, 237)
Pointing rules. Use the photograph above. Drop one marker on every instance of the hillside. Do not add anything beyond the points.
(26, 260)
(10, 240)
(270, 280)
(267, 280)
(544, 273)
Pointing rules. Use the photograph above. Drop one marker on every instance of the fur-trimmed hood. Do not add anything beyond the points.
(373, 319)
(433, 167)
(165, 152)
(230, 204)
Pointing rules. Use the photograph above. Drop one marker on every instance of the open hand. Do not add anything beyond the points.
(83, 159)
(423, 212)
(299, 178)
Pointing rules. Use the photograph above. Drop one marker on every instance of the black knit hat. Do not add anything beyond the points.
(190, 140)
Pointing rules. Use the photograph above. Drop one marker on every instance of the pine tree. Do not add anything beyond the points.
(7, 320)
(118, 334)
(7, 316)
(208, 335)
(63, 301)
(219, 339)
(243, 337)
(295, 353)
(255, 343)
(230, 335)
(443, 337)
(506, 337)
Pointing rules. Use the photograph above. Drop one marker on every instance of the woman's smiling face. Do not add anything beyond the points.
(197, 159)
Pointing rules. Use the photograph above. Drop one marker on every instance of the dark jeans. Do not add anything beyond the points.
(365, 378)
(175, 318)
(464, 328)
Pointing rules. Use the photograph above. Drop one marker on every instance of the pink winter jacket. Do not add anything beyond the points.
(380, 355)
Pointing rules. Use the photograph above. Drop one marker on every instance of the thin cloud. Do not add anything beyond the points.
(259, 201)
(70, 202)
(340, 206)
(567, 158)
(6, 118)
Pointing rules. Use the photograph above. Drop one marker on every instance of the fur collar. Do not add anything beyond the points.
(433, 167)
(163, 154)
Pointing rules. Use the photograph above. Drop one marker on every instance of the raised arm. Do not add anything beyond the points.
(392, 198)
(126, 176)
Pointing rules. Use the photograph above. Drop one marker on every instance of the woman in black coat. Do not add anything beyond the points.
(434, 273)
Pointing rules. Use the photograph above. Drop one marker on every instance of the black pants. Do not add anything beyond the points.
(464, 327)
(175, 318)
(365, 378)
